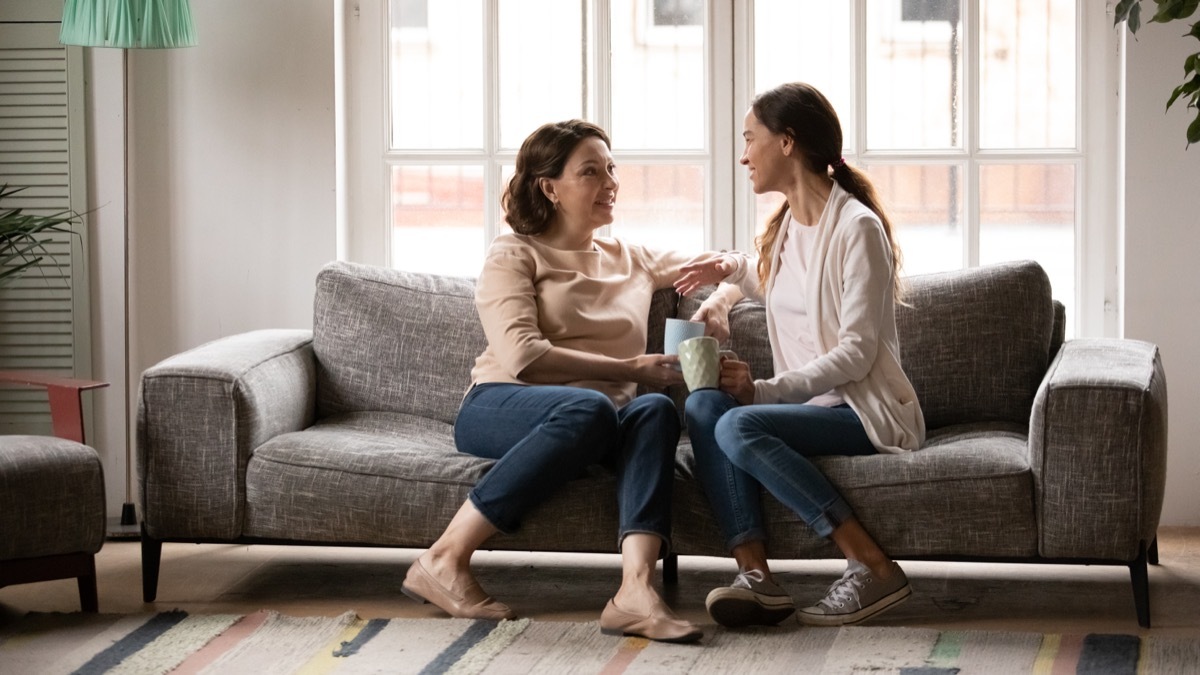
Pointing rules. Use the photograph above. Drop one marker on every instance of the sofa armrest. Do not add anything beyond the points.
(202, 413)
(1098, 449)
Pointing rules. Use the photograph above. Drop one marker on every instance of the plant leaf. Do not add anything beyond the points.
(23, 237)
(1169, 10)
(14, 271)
(1193, 132)
(1129, 11)
(1190, 87)
(1121, 12)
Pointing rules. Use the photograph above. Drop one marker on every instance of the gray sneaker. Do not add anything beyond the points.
(857, 596)
(750, 600)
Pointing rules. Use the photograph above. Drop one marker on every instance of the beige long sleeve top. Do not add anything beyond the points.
(532, 297)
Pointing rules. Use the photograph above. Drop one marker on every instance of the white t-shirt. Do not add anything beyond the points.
(788, 304)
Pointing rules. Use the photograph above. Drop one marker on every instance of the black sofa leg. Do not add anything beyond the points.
(89, 599)
(1152, 554)
(671, 569)
(1140, 577)
(151, 558)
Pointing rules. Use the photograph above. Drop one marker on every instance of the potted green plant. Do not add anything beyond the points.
(23, 236)
(1130, 11)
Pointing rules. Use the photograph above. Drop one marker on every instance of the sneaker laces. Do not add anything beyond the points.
(745, 578)
(843, 590)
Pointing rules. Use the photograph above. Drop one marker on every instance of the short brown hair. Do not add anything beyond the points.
(544, 154)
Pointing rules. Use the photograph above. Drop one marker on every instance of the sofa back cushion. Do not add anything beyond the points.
(976, 343)
(393, 341)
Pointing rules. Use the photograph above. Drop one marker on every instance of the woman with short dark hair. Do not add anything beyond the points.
(565, 312)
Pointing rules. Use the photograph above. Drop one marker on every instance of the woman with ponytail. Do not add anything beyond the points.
(828, 274)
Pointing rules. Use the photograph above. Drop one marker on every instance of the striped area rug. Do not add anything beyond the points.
(268, 642)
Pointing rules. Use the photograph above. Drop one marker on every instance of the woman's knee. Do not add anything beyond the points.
(590, 412)
(734, 433)
(703, 408)
(657, 410)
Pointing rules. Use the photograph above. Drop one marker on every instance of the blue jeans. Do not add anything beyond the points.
(544, 436)
(741, 449)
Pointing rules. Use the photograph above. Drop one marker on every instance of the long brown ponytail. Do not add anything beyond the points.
(801, 112)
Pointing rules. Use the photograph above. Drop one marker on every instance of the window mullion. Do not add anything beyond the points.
(971, 21)
(720, 212)
(601, 66)
(491, 121)
(601, 73)
(858, 103)
(743, 90)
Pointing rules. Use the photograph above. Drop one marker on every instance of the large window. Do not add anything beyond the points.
(967, 114)
(474, 78)
(964, 113)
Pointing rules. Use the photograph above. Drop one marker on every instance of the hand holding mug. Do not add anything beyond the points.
(736, 381)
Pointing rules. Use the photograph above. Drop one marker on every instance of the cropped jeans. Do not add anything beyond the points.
(543, 436)
(741, 449)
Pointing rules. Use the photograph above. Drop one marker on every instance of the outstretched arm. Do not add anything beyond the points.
(560, 365)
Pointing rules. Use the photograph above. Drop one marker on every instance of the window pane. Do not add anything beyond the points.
(535, 89)
(925, 205)
(1027, 74)
(661, 206)
(764, 207)
(659, 82)
(437, 219)
(437, 78)
(1027, 212)
(678, 12)
(805, 41)
(914, 75)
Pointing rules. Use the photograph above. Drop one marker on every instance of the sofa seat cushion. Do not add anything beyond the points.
(393, 479)
(370, 477)
(969, 492)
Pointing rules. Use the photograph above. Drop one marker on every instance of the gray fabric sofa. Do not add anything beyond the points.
(1038, 449)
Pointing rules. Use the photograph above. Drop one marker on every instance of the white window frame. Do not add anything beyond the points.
(364, 234)
(364, 222)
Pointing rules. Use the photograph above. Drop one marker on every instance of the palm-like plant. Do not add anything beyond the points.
(23, 237)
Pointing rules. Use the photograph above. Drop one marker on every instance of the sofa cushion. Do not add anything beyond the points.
(395, 479)
(968, 492)
(976, 343)
(393, 341)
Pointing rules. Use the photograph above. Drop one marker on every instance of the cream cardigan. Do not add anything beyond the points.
(853, 317)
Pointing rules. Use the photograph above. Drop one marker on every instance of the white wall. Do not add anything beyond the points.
(1162, 246)
(232, 188)
(233, 203)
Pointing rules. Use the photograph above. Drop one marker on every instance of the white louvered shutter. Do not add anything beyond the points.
(44, 316)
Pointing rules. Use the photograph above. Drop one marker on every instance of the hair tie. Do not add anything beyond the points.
(838, 163)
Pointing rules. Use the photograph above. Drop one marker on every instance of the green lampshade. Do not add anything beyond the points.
(136, 24)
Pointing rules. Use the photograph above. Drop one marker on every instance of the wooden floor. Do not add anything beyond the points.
(215, 578)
